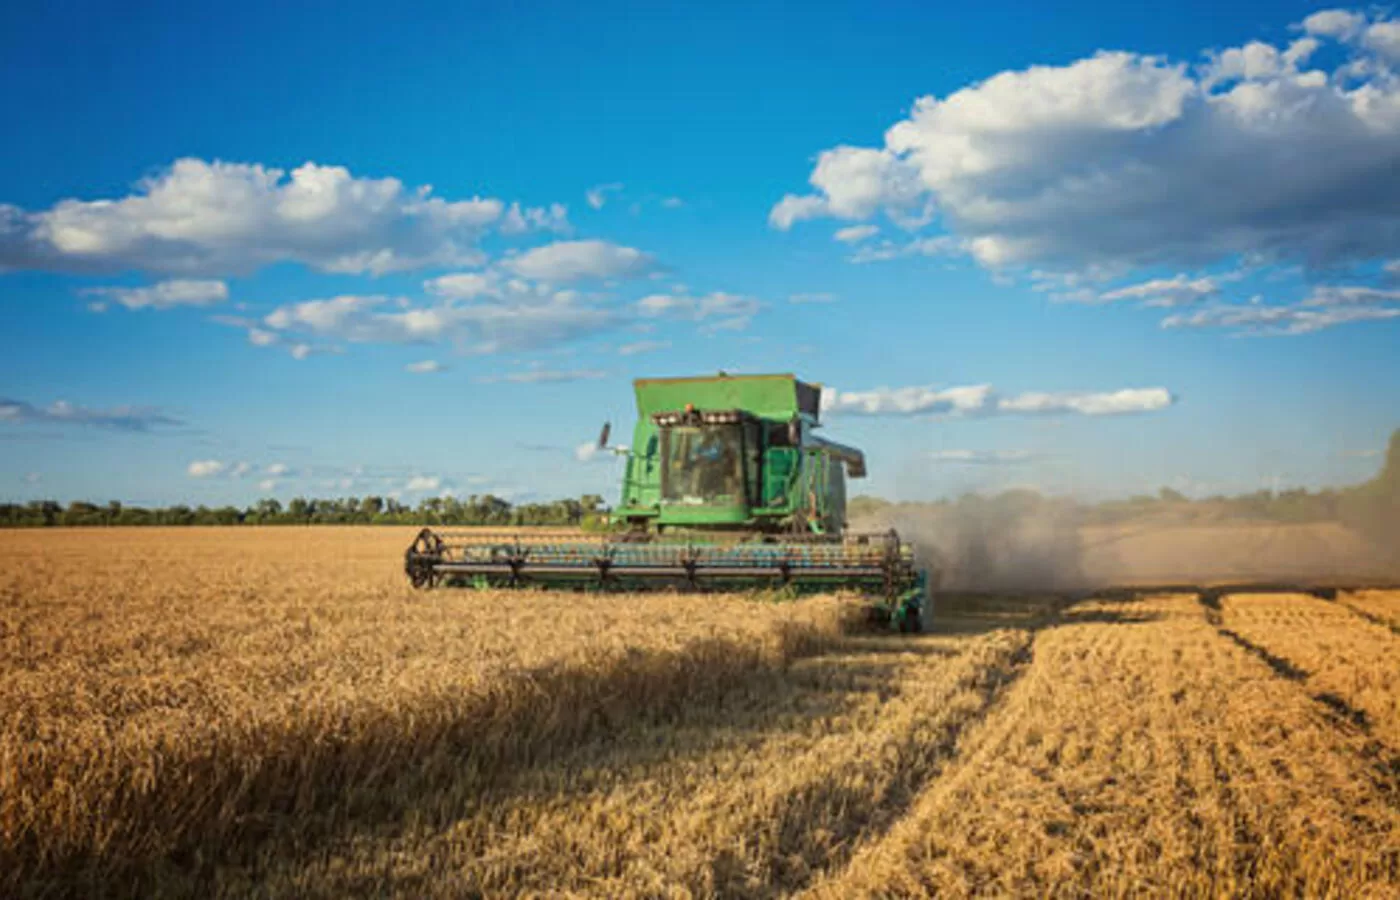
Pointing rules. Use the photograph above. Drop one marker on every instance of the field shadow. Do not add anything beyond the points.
(753, 704)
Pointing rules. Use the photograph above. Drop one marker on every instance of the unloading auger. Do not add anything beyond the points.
(726, 487)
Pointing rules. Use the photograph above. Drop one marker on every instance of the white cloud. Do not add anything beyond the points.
(981, 457)
(1334, 23)
(1384, 39)
(205, 468)
(33, 478)
(940, 245)
(61, 412)
(425, 367)
(575, 260)
(724, 312)
(277, 470)
(463, 285)
(521, 319)
(852, 183)
(260, 338)
(1163, 292)
(217, 217)
(1128, 400)
(793, 208)
(423, 483)
(1350, 295)
(982, 400)
(301, 351)
(163, 295)
(907, 400)
(542, 376)
(854, 234)
(818, 297)
(518, 220)
(1133, 160)
(241, 469)
(672, 202)
(1257, 318)
(639, 347)
(598, 196)
(267, 484)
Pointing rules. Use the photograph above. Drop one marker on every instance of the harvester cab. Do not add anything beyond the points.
(726, 486)
(734, 453)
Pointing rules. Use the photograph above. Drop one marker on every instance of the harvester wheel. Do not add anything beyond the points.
(912, 622)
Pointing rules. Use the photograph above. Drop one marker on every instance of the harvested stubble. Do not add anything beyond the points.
(1145, 754)
(754, 795)
(1382, 607)
(173, 697)
(1344, 660)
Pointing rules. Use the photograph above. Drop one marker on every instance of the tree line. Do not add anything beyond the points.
(485, 509)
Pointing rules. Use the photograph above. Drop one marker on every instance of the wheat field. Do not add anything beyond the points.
(273, 712)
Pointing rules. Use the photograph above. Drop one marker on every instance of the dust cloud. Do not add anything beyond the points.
(991, 544)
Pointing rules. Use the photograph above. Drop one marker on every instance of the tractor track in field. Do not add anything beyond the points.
(1369, 616)
(1382, 759)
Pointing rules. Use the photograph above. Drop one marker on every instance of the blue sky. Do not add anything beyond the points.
(345, 250)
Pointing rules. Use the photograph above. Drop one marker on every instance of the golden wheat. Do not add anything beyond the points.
(1144, 754)
(167, 692)
(273, 712)
(1382, 607)
(1350, 662)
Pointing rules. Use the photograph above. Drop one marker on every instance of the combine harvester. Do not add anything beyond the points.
(727, 487)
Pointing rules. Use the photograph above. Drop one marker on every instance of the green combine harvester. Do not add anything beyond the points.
(727, 487)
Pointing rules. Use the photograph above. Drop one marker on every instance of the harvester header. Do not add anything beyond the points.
(726, 485)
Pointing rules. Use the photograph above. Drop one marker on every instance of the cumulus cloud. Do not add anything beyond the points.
(854, 234)
(277, 470)
(1132, 160)
(162, 295)
(61, 412)
(907, 400)
(463, 285)
(542, 376)
(1111, 403)
(425, 367)
(575, 260)
(267, 484)
(220, 217)
(982, 400)
(522, 320)
(206, 468)
(597, 196)
(1334, 23)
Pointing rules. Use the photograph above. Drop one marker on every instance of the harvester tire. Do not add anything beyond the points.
(912, 622)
